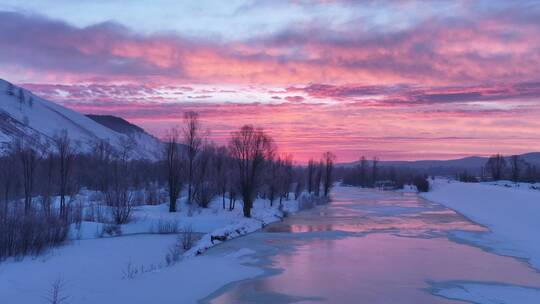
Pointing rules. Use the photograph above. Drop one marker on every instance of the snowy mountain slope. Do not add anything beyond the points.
(24, 114)
(117, 124)
(145, 141)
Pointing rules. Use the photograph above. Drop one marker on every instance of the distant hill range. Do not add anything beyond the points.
(471, 164)
(25, 115)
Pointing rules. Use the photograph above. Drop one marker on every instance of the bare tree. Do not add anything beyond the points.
(20, 97)
(318, 178)
(193, 141)
(232, 187)
(249, 148)
(174, 167)
(56, 293)
(362, 168)
(127, 146)
(49, 165)
(7, 181)
(29, 160)
(328, 158)
(221, 167)
(286, 177)
(204, 179)
(119, 196)
(310, 175)
(101, 156)
(273, 178)
(515, 166)
(495, 165)
(66, 154)
(298, 187)
(374, 170)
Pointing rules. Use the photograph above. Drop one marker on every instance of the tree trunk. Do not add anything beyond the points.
(172, 203)
(223, 199)
(247, 208)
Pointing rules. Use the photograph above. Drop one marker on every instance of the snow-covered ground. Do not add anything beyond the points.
(489, 293)
(511, 212)
(131, 267)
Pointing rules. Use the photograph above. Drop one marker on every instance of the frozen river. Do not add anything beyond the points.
(371, 247)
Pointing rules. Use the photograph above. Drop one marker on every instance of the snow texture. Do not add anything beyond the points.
(131, 267)
(510, 213)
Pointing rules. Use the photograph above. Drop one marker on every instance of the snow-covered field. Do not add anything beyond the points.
(131, 267)
(512, 214)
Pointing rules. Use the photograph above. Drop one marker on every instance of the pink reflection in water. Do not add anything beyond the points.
(379, 266)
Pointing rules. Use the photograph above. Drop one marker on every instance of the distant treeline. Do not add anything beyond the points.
(370, 174)
(249, 166)
(499, 167)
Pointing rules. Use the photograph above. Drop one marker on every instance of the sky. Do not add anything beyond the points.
(401, 80)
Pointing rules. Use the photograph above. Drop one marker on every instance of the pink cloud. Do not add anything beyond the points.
(437, 51)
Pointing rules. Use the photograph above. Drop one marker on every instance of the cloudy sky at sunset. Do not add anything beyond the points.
(396, 79)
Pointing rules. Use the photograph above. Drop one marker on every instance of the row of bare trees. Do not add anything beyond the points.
(513, 167)
(368, 173)
(24, 166)
(247, 167)
(320, 173)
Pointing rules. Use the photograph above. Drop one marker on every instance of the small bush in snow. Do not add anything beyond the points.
(167, 226)
(130, 271)
(31, 233)
(56, 293)
(111, 230)
(121, 203)
(421, 184)
(187, 237)
(175, 251)
(95, 212)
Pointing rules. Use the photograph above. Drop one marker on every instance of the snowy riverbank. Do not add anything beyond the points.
(131, 267)
(511, 212)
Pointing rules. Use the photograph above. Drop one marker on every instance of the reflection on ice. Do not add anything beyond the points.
(386, 257)
(377, 212)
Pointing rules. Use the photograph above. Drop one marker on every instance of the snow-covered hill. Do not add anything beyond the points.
(22, 114)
